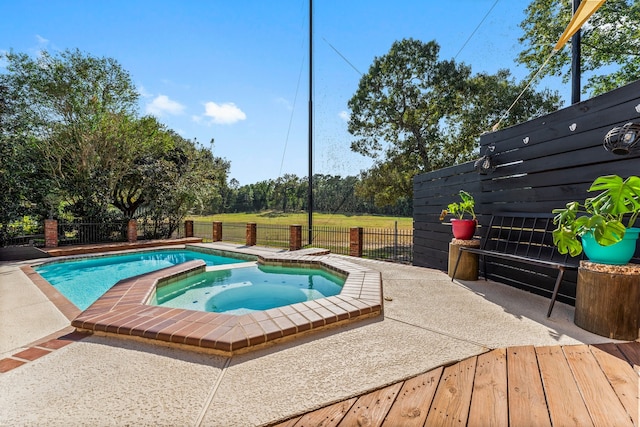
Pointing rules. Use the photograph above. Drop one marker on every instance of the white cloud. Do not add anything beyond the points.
(224, 114)
(283, 102)
(143, 92)
(344, 115)
(161, 105)
(41, 40)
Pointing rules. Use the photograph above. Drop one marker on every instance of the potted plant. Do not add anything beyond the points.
(463, 229)
(604, 222)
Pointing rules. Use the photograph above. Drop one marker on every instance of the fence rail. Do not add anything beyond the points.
(378, 243)
(392, 245)
(22, 233)
(335, 239)
(78, 233)
(276, 236)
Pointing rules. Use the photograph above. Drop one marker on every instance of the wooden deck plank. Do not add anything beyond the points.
(631, 350)
(603, 404)
(489, 404)
(471, 392)
(621, 376)
(412, 405)
(329, 416)
(453, 397)
(289, 423)
(371, 409)
(564, 401)
(527, 404)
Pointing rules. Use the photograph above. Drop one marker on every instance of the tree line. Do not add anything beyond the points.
(289, 193)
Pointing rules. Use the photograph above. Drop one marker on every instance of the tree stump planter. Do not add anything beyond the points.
(608, 300)
(468, 266)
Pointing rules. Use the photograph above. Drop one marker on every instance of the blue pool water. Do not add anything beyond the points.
(85, 280)
(242, 290)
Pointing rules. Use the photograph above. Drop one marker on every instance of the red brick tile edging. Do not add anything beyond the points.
(123, 311)
(36, 351)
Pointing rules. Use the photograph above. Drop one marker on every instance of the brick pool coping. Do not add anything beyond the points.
(122, 310)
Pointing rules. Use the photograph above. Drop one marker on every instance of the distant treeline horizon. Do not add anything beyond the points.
(289, 193)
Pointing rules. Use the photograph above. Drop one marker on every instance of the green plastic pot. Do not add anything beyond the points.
(617, 254)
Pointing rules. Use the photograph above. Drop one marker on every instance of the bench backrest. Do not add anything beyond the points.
(525, 234)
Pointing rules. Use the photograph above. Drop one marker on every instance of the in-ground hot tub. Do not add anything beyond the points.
(247, 288)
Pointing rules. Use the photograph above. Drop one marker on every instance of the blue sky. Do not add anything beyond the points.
(236, 71)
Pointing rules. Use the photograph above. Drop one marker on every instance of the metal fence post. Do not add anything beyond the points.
(395, 241)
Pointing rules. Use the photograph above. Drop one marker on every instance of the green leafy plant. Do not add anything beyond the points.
(608, 215)
(466, 205)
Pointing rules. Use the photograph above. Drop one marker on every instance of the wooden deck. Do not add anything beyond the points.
(581, 385)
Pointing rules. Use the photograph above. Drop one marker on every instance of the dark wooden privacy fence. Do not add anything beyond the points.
(540, 165)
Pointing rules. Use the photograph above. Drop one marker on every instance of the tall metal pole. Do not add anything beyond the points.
(575, 61)
(310, 199)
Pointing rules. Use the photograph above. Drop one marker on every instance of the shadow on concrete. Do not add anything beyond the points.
(21, 253)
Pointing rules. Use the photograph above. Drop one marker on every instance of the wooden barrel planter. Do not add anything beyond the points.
(608, 300)
(468, 266)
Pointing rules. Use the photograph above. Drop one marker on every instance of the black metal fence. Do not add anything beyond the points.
(335, 239)
(391, 245)
(380, 243)
(276, 236)
(233, 232)
(377, 243)
(80, 232)
(21, 234)
(149, 229)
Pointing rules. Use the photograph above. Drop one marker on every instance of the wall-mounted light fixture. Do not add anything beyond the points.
(486, 163)
(623, 140)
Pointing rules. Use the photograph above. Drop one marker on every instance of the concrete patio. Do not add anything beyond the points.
(428, 321)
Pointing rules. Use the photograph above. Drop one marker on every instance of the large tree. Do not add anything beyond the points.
(78, 120)
(77, 107)
(400, 102)
(414, 113)
(170, 177)
(150, 142)
(610, 43)
(21, 182)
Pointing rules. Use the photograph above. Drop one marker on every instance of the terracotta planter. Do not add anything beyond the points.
(463, 229)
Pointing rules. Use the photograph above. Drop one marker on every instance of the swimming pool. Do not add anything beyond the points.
(82, 281)
(243, 290)
(124, 310)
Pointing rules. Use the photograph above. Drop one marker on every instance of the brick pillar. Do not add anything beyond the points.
(188, 228)
(251, 234)
(50, 233)
(355, 242)
(132, 231)
(217, 231)
(295, 237)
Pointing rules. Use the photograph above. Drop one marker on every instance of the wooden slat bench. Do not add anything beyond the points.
(526, 238)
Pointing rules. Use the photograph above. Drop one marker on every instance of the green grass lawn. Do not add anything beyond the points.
(319, 219)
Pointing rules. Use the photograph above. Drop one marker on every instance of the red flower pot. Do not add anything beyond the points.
(463, 229)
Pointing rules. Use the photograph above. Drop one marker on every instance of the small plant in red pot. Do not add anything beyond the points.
(463, 229)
